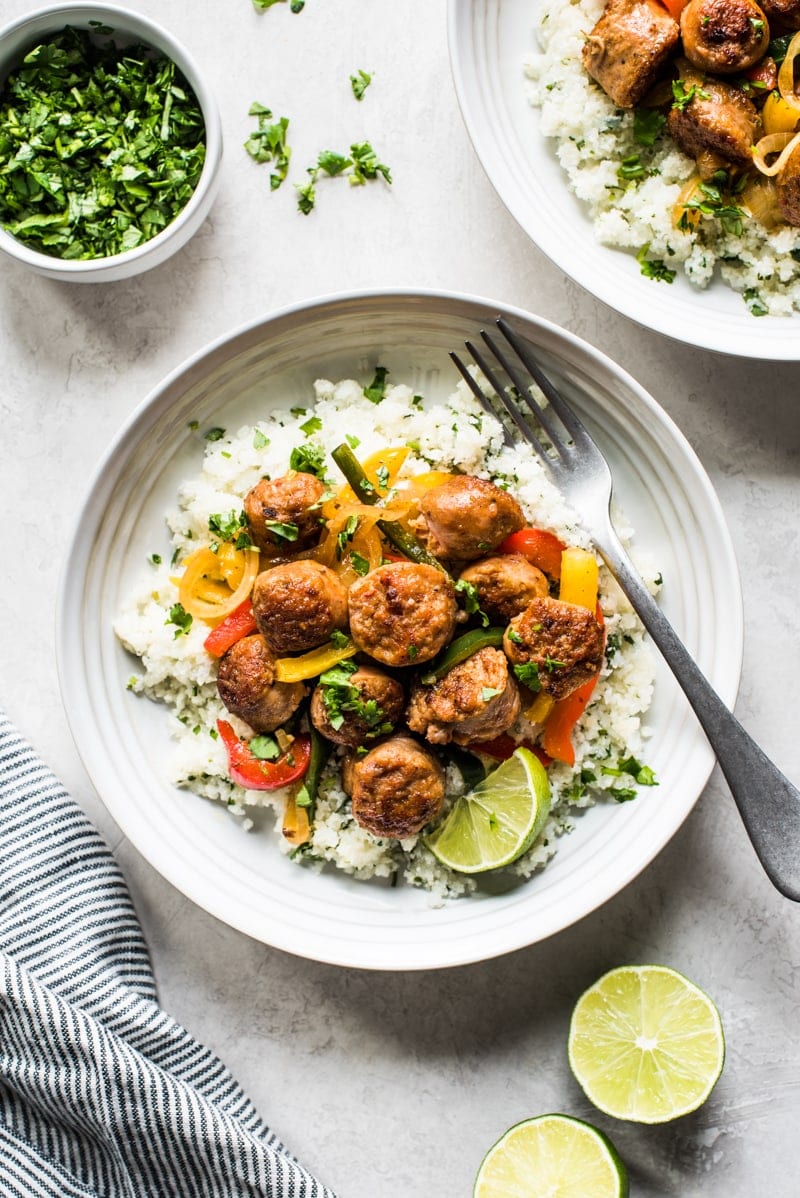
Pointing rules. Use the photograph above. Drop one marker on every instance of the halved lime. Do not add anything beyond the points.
(498, 821)
(646, 1044)
(555, 1156)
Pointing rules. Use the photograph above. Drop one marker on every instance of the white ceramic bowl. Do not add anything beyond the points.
(123, 739)
(129, 27)
(488, 41)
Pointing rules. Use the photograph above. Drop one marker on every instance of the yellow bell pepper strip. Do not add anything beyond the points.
(313, 663)
(543, 549)
(240, 623)
(459, 650)
(408, 545)
(245, 769)
(579, 576)
(296, 827)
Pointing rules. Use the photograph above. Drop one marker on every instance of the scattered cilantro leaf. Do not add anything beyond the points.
(286, 531)
(308, 458)
(366, 165)
(265, 748)
(472, 604)
(214, 434)
(268, 143)
(755, 304)
(377, 388)
(683, 95)
(359, 564)
(359, 83)
(181, 618)
(338, 639)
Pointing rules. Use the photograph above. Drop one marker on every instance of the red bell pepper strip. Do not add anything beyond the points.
(501, 747)
(557, 735)
(254, 774)
(542, 549)
(241, 622)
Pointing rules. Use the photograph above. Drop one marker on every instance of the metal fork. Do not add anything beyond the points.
(768, 802)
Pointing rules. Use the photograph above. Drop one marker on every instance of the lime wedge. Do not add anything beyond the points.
(553, 1155)
(498, 821)
(646, 1044)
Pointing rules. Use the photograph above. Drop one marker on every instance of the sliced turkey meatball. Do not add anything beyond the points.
(561, 645)
(359, 709)
(784, 14)
(283, 513)
(402, 614)
(476, 700)
(628, 47)
(467, 517)
(298, 605)
(718, 126)
(505, 584)
(724, 36)
(247, 686)
(396, 789)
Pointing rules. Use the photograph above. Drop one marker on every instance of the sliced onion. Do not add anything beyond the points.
(781, 144)
(786, 72)
(203, 591)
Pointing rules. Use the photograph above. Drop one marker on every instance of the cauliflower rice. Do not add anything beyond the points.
(593, 139)
(174, 668)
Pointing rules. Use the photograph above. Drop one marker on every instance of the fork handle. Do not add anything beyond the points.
(768, 802)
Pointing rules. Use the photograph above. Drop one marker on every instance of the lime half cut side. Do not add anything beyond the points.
(646, 1044)
(553, 1156)
(497, 821)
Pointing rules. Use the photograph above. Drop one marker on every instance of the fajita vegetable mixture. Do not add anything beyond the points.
(357, 628)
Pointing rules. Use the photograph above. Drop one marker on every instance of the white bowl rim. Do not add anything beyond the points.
(164, 41)
(457, 955)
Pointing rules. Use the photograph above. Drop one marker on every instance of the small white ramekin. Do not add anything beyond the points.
(19, 37)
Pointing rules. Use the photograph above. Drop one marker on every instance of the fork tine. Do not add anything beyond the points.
(485, 403)
(522, 385)
(530, 434)
(565, 414)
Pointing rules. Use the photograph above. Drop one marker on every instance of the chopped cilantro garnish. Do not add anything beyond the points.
(377, 388)
(265, 748)
(338, 639)
(352, 441)
(341, 698)
(472, 604)
(654, 268)
(648, 123)
(214, 434)
(622, 794)
(227, 525)
(514, 636)
(552, 664)
(710, 202)
(366, 165)
(181, 618)
(308, 458)
(489, 692)
(260, 440)
(359, 83)
(359, 564)
(332, 163)
(312, 425)
(303, 798)
(683, 95)
(411, 652)
(100, 146)
(382, 474)
(285, 530)
(755, 304)
(346, 535)
(155, 558)
(268, 143)
(527, 673)
(631, 168)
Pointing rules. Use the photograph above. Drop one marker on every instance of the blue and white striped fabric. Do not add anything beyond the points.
(102, 1094)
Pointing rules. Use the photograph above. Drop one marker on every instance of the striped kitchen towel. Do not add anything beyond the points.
(102, 1093)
